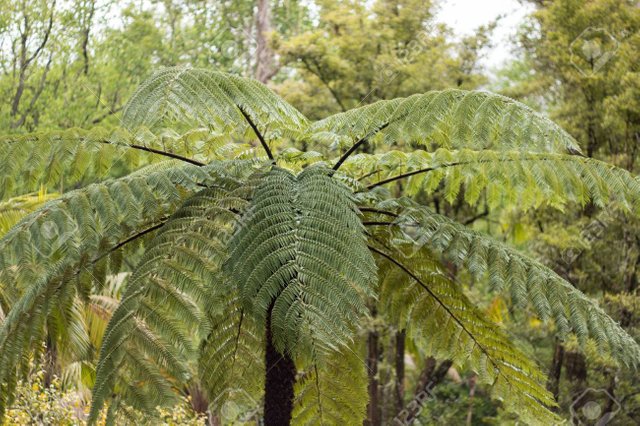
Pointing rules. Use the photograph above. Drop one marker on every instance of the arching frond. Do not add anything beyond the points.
(69, 158)
(332, 391)
(439, 317)
(231, 363)
(452, 119)
(223, 102)
(58, 250)
(301, 252)
(508, 178)
(527, 280)
(149, 348)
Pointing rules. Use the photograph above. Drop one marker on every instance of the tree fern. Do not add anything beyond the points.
(315, 280)
(251, 264)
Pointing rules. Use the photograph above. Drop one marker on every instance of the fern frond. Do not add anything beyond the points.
(332, 391)
(14, 209)
(222, 102)
(301, 250)
(77, 157)
(231, 357)
(527, 280)
(506, 178)
(451, 119)
(439, 317)
(153, 335)
(49, 267)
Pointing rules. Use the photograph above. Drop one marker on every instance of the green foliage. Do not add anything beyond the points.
(198, 98)
(440, 318)
(451, 119)
(332, 391)
(300, 256)
(499, 178)
(527, 281)
(239, 244)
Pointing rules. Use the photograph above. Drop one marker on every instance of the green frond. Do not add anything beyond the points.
(440, 318)
(150, 346)
(231, 359)
(301, 252)
(451, 119)
(202, 98)
(14, 209)
(332, 391)
(527, 280)
(69, 158)
(57, 251)
(506, 178)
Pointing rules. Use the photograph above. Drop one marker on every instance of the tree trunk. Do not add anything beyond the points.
(265, 58)
(50, 362)
(472, 392)
(576, 368)
(399, 386)
(553, 380)
(374, 407)
(278, 387)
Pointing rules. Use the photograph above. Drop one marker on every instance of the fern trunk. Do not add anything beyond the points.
(278, 388)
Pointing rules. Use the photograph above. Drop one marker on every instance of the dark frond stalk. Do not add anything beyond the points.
(402, 176)
(168, 154)
(279, 382)
(357, 145)
(130, 239)
(159, 152)
(263, 142)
